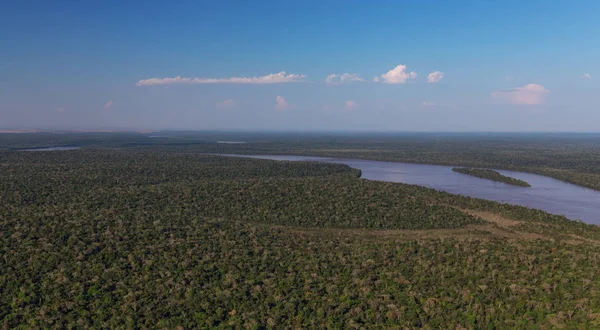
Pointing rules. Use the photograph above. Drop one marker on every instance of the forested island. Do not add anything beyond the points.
(162, 237)
(490, 175)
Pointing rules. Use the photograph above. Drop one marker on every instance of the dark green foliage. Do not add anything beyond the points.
(166, 239)
(328, 195)
(573, 158)
(491, 175)
(164, 271)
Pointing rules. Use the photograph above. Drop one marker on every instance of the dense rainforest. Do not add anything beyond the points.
(573, 158)
(157, 236)
(570, 157)
(490, 175)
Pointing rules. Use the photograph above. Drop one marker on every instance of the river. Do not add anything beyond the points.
(548, 194)
(65, 148)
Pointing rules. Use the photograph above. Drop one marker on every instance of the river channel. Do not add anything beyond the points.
(548, 194)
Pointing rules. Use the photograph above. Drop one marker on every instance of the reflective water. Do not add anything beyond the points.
(52, 149)
(545, 193)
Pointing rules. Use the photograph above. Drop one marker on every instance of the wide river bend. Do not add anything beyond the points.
(548, 194)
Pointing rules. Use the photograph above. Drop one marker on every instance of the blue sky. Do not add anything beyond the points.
(400, 65)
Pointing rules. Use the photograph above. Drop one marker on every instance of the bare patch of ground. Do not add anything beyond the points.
(492, 217)
(498, 227)
(579, 240)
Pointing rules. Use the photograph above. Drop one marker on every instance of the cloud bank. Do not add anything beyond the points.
(398, 75)
(273, 78)
(435, 77)
(529, 94)
(337, 79)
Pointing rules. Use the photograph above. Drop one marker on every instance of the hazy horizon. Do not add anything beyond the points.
(33, 130)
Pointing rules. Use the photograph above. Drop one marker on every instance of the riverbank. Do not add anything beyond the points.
(568, 157)
(547, 194)
(262, 240)
(572, 176)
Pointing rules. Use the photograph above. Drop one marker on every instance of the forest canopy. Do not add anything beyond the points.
(157, 237)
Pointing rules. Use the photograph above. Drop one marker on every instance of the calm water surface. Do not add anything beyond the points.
(545, 193)
(52, 149)
(232, 142)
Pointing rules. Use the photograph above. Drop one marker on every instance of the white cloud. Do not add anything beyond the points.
(376, 79)
(529, 94)
(336, 79)
(331, 79)
(509, 78)
(350, 105)
(227, 104)
(435, 77)
(586, 76)
(281, 104)
(273, 78)
(398, 75)
(108, 104)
